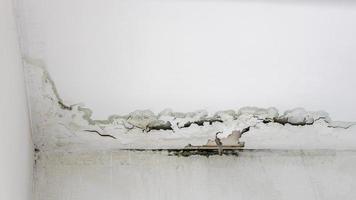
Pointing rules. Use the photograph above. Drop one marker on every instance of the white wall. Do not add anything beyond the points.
(262, 175)
(118, 56)
(15, 143)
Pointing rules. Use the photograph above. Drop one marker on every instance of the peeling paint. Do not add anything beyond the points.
(202, 122)
(58, 125)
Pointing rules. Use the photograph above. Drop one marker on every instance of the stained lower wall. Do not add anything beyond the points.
(252, 175)
(15, 142)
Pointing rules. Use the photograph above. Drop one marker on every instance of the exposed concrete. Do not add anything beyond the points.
(230, 140)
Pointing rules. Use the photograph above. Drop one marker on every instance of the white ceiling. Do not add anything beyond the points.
(119, 55)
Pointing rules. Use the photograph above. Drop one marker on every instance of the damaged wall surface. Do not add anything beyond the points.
(59, 126)
(128, 60)
(70, 163)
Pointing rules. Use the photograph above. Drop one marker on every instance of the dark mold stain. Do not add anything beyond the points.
(202, 152)
(202, 121)
(64, 106)
(192, 152)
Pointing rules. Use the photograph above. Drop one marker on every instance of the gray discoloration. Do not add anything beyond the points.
(159, 125)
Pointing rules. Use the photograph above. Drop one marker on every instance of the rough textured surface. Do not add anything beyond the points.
(59, 126)
(257, 175)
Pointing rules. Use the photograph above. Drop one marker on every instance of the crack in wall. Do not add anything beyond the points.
(342, 125)
(102, 135)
